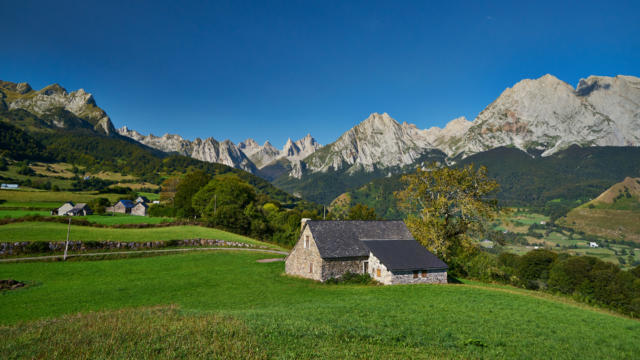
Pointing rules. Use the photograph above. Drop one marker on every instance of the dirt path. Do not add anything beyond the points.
(139, 252)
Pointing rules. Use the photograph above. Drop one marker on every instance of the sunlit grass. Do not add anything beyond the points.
(296, 318)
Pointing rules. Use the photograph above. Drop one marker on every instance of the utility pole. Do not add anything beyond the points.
(66, 246)
(324, 212)
(215, 203)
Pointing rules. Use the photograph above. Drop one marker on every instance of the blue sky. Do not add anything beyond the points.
(278, 69)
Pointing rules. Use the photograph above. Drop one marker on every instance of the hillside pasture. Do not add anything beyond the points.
(609, 223)
(20, 213)
(39, 196)
(49, 231)
(287, 317)
(106, 219)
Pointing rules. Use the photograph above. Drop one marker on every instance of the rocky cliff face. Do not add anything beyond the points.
(209, 149)
(248, 155)
(377, 142)
(259, 155)
(548, 115)
(49, 102)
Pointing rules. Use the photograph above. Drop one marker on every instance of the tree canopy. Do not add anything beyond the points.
(445, 206)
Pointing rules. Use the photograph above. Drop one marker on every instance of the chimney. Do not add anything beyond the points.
(303, 221)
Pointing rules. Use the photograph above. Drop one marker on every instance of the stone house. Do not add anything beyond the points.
(122, 207)
(385, 250)
(139, 209)
(80, 210)
(69, 209)
(62, 210)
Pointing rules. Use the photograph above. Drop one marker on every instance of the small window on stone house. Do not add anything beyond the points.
(310, 267)
(378, 272)
(306, 241)
(423, 273)
(415, 274)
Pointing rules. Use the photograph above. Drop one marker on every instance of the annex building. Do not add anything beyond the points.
(385, 250)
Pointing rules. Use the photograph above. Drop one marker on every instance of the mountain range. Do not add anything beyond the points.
(540, 117)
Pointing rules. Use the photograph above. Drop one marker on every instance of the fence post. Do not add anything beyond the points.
(66, 246)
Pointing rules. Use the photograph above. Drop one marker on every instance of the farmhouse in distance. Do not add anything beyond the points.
(385, 250)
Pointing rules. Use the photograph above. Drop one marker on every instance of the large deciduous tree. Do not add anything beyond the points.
(446, 206)
(361, 212)
(190, 184)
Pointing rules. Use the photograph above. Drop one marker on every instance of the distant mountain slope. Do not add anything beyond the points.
(548, 115)
(54, 125)
(614, 214)
(572, 174)
(629, 188)
(55, 107)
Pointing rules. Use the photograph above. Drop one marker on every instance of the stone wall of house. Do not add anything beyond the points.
(305, 262)
(139, 210)
(388, 277)
(432, 277)
(336, 268)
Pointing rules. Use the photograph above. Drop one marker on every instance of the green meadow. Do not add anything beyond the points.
(48, 231)
(55, 197)
(226, 305)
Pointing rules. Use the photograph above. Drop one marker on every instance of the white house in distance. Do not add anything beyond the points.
(385, 250)
(593, 244)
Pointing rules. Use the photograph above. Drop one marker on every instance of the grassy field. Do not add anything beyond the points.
(119, 219)
(560, 240)
(110, 219)
(43, 205)
(12, 173)
(281, 317)
(46, 231)
(20, 213)
(40, 196)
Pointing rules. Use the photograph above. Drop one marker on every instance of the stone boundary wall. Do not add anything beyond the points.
(39, 247)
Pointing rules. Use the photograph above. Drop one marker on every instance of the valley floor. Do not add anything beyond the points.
(226, 305)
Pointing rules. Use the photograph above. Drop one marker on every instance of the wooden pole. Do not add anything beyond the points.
(66, 246)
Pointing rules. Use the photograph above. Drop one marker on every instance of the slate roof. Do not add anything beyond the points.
(127, 203)
(343, 239)
(78, 208)
(404, 255)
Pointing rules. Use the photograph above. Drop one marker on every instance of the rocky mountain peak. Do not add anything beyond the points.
(549, 115)
(20, 88)
(377, 142)
(52, 98)
(249, 146)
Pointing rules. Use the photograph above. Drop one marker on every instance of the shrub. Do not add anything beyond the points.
(352, 278)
